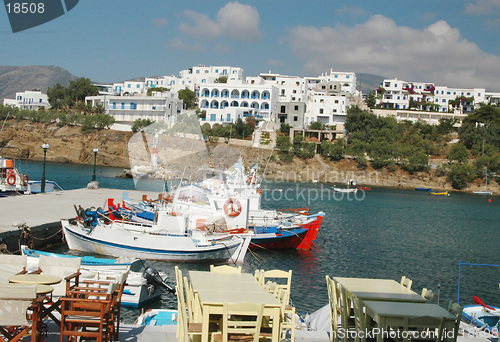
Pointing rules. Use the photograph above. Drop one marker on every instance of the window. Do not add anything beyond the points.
(336, 101)
(129, 85)
(212, 117)
(114, 105)
(296, 107)
(138, 86)
(444, 100)
(283, 109)
(295, 118)
(197, 71)
(321, 110)
(123, 105)
(228, 117)
(335, 111)
(348, 76)
(294, 91)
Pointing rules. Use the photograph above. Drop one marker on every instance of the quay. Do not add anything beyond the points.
(42, 213)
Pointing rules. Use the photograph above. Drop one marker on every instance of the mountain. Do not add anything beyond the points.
(368, 82)
(21, 78)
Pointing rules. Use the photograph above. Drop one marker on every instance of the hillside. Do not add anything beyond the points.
(368, 82)
(21, 78)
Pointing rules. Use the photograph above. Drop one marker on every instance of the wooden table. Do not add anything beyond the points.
(401, 314)
(37, 279)
(215, 289)
(378, 289)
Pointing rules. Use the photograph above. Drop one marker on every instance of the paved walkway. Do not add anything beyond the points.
(41, 209)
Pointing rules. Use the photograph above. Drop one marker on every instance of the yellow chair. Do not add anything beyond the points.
(240, 322)
(283, 280)
(185, 325)
(11, 265)
(16, 303)
(334, 301)
(455, 309)
(225, 269)
(429, 295)
(406, 282)
(347, 320)
(287, 316)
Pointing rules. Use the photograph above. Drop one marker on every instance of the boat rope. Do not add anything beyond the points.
(256, 257)
(46, 238)
(229, 253)
(319, 231)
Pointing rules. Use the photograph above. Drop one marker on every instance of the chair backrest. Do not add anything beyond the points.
(455, 309)
(283, 279)
(182, 324)
(241, 318)
(10, 265)
(406, 282)
(359, 318)
(333, 300)
(14, 303)
(61, 267)
(429, 295)
(225, 269)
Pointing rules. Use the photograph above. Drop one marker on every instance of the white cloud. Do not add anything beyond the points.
(274, 63)
(159, 22)
(352, 11)
(179, 44)
(437, 53)
(234, 20)
(483, 7)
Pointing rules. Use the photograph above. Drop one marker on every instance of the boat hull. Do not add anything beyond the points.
(478, 316)
(121, 242)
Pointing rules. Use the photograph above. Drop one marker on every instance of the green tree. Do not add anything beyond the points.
(460, 175)
(57, 96)
(157, 89)
(333, 151)
(459, 153)
(417, 161)
(302, 148)
(285, 128)
(284, 146)
(139, 124)
(221, 79)
(371, 99)
(486, 114)
(81, 88)
(316, 125)
(188, 97)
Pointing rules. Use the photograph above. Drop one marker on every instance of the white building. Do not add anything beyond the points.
(31, 100)
(397, 94)
(157, 107)
(226, 102)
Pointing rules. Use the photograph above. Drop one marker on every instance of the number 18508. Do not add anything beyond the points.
(25, 7)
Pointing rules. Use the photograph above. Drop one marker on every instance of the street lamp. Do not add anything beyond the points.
(95, 157)
(45, 148)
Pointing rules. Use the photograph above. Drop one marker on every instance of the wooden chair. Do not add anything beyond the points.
(16, 303)
(347, 319)
(11, 265)
(455, 309)
(429, 295)
(334, 302)
(406, 282)
(283, 280)
(185, 326)
(225, 269)
(89, 318)
(287, 321)
(240, 322)
(66, 268)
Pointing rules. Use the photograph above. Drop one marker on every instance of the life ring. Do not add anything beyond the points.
(11, 179)
(232, 207)
(252, 180)
(26, 179)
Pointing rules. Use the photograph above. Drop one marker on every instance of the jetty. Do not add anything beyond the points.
(43, 212)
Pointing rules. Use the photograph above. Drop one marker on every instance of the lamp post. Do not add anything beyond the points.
(95, 157)
(45, 148)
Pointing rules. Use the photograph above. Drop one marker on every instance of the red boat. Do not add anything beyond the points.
(365, 188)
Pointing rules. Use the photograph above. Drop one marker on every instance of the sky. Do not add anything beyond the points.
(452, 43)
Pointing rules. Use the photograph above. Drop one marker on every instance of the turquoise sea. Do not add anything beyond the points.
(382, 233)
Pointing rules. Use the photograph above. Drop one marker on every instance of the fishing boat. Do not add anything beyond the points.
(139, 289)
(11, 180)
(485, 191)
(35, 187)
(166, 240)
(442, 193)
(482, 316)
(364, 188)
(157, 317)
(423, 189)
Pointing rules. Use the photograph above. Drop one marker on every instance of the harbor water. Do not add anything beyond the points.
(382, 233)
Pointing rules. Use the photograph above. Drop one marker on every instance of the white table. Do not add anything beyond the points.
(408, 315)
(216, 289)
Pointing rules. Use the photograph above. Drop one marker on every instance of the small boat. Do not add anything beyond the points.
(485, 191)
(423, 189)
(482, 316)
(35, 187)
(442, 193)
(140, 288)
(364, 188)
(345, 190)
(157, 317)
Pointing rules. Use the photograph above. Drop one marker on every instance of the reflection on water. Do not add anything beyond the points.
(388, 234)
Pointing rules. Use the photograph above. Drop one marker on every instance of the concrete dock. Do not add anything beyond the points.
(43, 212)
